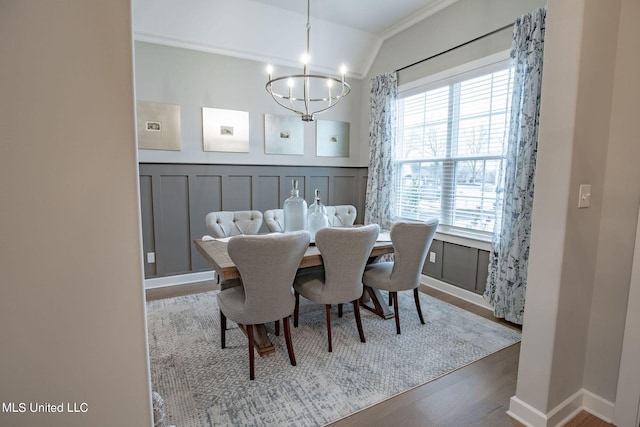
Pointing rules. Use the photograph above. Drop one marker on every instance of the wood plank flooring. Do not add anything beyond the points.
(476, 395)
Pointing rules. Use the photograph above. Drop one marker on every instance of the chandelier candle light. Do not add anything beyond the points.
(313, 98)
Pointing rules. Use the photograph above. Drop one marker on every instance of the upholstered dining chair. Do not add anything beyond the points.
(274, 220)
(341, 215)
(233, 223)
(345, 252)
(267, 265)
(411, 241)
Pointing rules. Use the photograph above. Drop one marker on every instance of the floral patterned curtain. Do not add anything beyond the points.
(509, 258)
(382, 134)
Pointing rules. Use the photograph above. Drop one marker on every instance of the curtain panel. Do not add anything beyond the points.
(509, 257)
(382, 134)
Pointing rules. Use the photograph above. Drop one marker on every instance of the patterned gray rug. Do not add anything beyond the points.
(203, 385)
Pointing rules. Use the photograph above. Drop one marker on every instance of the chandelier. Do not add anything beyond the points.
(307, 94)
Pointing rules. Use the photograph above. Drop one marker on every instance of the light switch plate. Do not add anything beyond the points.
(584, 195)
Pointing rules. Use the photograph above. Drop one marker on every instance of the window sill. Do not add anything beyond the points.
(472, 239)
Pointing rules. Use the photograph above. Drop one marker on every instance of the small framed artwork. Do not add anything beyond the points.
(225, 130)
(332, 138)
(283, 134)
(158, 126)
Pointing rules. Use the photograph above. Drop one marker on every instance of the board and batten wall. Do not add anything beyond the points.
(175, 198)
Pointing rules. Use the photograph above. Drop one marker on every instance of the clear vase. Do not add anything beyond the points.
(317, 217)
(295, 210)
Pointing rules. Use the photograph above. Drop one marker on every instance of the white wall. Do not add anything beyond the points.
(71, 303)
(194, 79)
(621, 197)
(580, 259)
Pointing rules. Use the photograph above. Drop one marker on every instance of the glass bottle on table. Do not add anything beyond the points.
(317, 217)
(295, 210)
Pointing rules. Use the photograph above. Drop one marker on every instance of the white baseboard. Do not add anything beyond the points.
(561, 414)
(598, 406)
(525, 413)
(181, 279)
(456, 291)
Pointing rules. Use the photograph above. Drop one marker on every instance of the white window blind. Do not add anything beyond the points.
(449, 149)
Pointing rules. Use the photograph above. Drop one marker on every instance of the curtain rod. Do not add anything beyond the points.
(456, 47)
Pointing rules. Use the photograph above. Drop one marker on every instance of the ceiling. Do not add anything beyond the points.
(376, 17)
(346, 32)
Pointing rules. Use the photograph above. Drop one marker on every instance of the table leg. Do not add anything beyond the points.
(261, 340)
(375, 303)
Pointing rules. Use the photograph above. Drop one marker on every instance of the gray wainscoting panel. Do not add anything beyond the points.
(344, 186)
(173, 233)
(460, 265)
(205, 196)
(237, 192)
(268, 192)
(146, 213)
(175, 199)
(434, 269)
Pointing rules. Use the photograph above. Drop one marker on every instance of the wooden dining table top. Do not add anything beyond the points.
(215, 252)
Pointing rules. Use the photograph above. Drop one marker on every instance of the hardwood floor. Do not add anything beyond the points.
(476, 395)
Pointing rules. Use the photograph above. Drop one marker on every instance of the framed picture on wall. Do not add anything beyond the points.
(225, 130)
(332, 138)
(283, 134)
(158, 126)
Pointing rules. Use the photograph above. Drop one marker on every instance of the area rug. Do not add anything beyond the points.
(203, 385)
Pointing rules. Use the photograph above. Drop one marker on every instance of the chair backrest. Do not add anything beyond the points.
(268, 264)
(411, 241)
(233, 223)
(274, 220)
(341, 215)
(345, 252)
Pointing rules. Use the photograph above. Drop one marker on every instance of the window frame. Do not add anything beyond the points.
(482, 66)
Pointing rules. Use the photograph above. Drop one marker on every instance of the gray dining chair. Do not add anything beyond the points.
(341, 215)
(274, 220)
(344, 252)
(267, 265)
(411, 241)
(233, 223)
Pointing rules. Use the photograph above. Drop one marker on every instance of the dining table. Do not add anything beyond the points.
(214, 250)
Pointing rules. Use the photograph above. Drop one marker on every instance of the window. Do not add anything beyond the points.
(451, 135)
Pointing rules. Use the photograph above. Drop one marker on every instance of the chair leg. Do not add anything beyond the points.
(356, 311)
(296, 311)
(277, 325)
(340, 311)
(397, 312)
(287, 338)
(416, 297)
(328, 315)
(223, 329)
(251, 355)
(390, 298)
